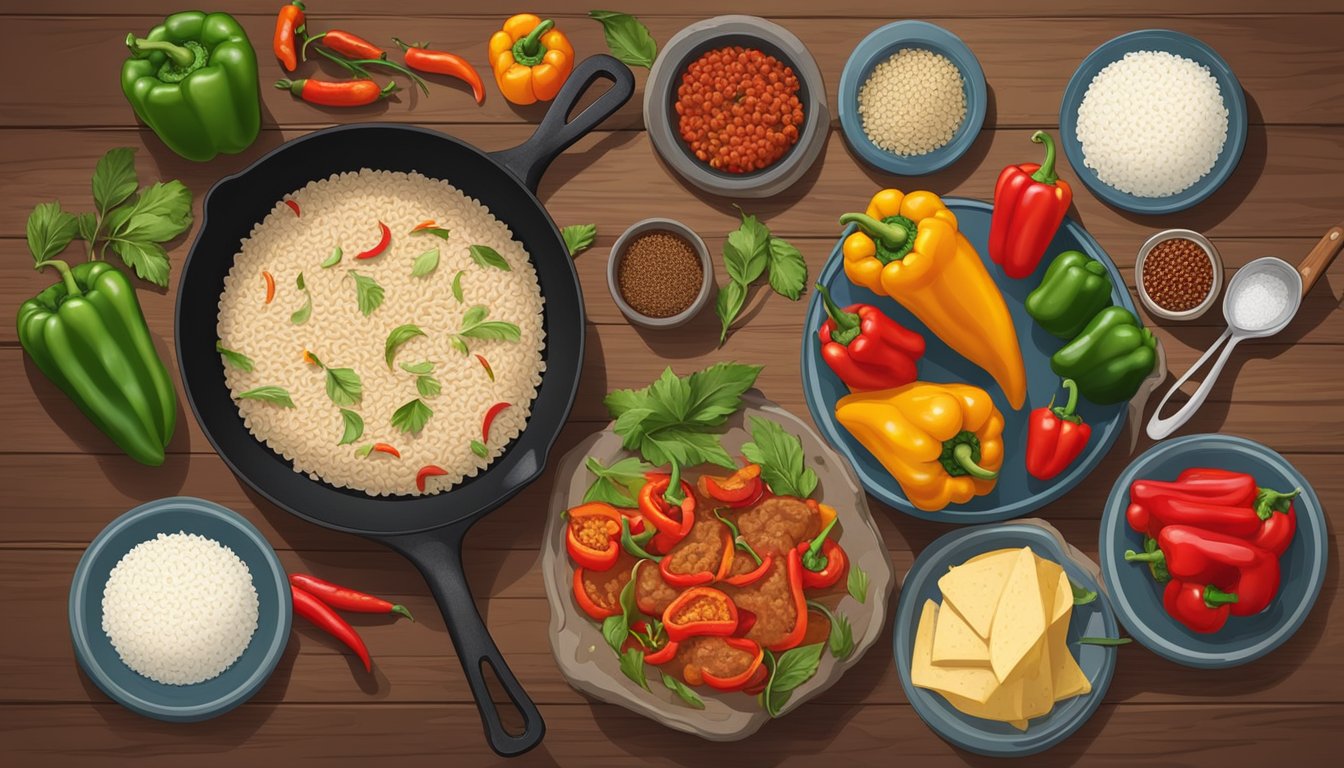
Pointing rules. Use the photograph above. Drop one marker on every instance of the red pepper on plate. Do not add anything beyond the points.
(1279, 518)
(592, 535)
(309, 607)
(586, 602)
(1029, 204)
(664, 654)
(799, 600)
(822, 559)
(1227, 562)
(865, 348)
(1056, 436)
(682, 580)
(740, 489)
(345, 599)
(754, 575)
(671, 514)
(1200, 607)
(700, 611)
(1216, 500)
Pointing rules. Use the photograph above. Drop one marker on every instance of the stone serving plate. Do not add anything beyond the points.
(589, 664)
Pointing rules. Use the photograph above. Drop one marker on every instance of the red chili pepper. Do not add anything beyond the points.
(426, 472)
(347, 93)
(1227, 562)
(486, 365)
(745, 621)
(293, 206)
(287, 22)
(823, 560)
(700, 611)
(664, 654)
(347, 44)
(345, 599)
(592, 535)
(740, 489)
(1029, 204)
(270, 286)
(419, 57)
(757, 683)
(586, 602)
(384, 237)
(741, 679)
(1056, 436)
(865, 348)
(426, 224)
(1200, 607)
(672, 522)
(795, 575)
(309, 607)
(390, 450)
(490, 419)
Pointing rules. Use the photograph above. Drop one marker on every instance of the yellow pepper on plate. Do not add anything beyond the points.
(908, 247)
(530, 59)
(943, 443)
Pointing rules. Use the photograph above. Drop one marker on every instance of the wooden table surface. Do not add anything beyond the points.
(64, 481)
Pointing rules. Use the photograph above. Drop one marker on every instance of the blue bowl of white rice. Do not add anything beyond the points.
(179, 610)
(1153, 121)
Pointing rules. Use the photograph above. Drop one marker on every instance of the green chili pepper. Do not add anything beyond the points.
(1075, 288)
(1110, 358)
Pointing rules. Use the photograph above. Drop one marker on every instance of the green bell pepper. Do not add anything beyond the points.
(1075, 288)
(88, 335)
(1110, 358)
(193, 80)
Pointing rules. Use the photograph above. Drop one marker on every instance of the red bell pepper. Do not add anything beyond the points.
(593, 535)
(1279, 518)
(799, 600)
(754, 575)
(1200, 607)
(1056, 436)
(586, 602)
(1227, 562)
(700, 611)
(740, 489)
(1029, 204)
(663, 654)
(742, 679)
(1156, 512)
(822, 559)
(672, 519)
(865, 348)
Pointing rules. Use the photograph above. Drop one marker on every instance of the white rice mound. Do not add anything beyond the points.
(1152, 123)
(180, 608)
(913, 103)
(344, 211)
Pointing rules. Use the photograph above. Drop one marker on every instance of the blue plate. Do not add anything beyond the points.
(1017, 493)
(1094, 619)
(1179, 44)
(879, 46)
(179, 703)
(1138, 599)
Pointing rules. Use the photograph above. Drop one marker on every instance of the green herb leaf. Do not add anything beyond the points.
(114, 179)
(412, 416)
(419, 368)
(1112, 641)
(425, 263)
(399, 336)
(669, 419)
(683, 691)
(746, 251)
(302, 314)
(364, 450)
(50, 230)
(632, 664)
(841, 637)
(368, 293)
(616, 485)
(236, 359)
(160, 213)
(780, 455)
(87, 224)
(427, 386)
(333, 259)
(728, 305)
(269, 394)
(344, 386)
(478, 448)
(148, 260)
(791, 669)
(457, 286)
(354, 426)
(459, 345)
(858, 583)
(788, 270)
(486, 256)
(579, 237)
(615, 630)
(475, 326)
(438, 232)
(627, 38)
(1082, 595)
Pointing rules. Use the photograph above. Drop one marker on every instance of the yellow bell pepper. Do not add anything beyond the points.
(943, 443)
(530, 59)
(908, 247)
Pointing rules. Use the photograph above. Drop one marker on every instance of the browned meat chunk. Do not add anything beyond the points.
(702, 549)
(652, 594)
(777, 525)
(770, 600)
(604, 587)
(709, 654)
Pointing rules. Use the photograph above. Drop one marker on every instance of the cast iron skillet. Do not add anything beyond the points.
(426, 529)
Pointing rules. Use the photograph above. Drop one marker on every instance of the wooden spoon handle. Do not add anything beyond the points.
(1320, 257)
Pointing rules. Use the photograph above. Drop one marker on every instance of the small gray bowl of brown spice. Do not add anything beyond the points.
(1179, 274)
(659, 273)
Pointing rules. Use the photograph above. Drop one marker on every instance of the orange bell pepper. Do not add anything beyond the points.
(530, 59)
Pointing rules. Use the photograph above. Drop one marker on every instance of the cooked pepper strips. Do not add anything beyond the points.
(1056, 436)
(530, 59)
(908, 247)
(1074, 289)
(1110, 358)
(1030, 201)
(593, 535)
(865, 348)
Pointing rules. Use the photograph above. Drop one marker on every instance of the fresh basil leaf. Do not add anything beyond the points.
(683, 691)
(728, 304)
(780, 456)
(792, 668)
(653, 421)
(399, 336)
(160, 213)
(368, 293)
(364, 450)
(148, 259)
(627, 38)
(478, 448)
(87, 226)
(438, 232)
(841, 639)
(427, 386)
(716, 392)
(632, 664)
(475, 315)
(670, 396)
(745, 252)
(1082, 595)
(857, 583)
(333, 259)
(616, 485)
(614, 631)
(491, 330)
(302, 314)
(788, 270)
(579, 237)
(50, 230)
(344, 386)
(236, 359)
(459, 345)
(688, 447)
(114, 179)
(457, 286)
(420, 368)
(486, 256)
(425, 263)
(269, 394)
(412, 416)
(354, 426)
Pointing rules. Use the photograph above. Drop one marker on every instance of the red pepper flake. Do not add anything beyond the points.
(293, 206)
(426, 224)
(386, 448)
(383, 240)
(490, 419)
(486, 365)
(426, 472)
(309, 358)
(270, 286)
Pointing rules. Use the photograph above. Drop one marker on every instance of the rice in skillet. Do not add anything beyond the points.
(466, 359)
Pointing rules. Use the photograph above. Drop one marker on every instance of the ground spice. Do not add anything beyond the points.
(1178, 274)
(738, 109)
(659, 274)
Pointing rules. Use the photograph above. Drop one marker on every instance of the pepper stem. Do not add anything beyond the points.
(1268, 501)
(892, 236)
(673, 494)
(1214, 597)
(1067, 413)
(1046, 173)
(1145, 557)
(813, 559)
(181, 56)
(847, 326)
(293, 86)
(402, 610)
(962, 455)
(67, 277)
(531, 45)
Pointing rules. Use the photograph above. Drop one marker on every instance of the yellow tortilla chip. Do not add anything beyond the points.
(1019, 619)
(1038, 693)
(955, 643)
(972, 683)
(1004, 705)
(973, 588)
(1067, 677)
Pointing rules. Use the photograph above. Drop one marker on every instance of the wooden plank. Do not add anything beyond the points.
(1027, 81)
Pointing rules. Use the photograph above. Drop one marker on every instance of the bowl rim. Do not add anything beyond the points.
(881, 44)
(1215, 260)
(617, 252)
(81, 591)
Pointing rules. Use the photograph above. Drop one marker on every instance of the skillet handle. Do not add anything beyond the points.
(529, 160)
(438, 556)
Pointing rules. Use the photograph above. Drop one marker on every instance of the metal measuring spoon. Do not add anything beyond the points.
(1299, 281)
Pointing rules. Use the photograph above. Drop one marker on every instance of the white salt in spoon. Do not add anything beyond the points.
(1260, 301)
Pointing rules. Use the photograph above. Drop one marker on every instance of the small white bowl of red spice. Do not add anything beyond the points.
(659, 273)
(1178, 274)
